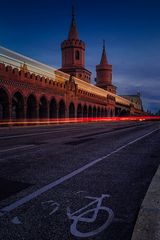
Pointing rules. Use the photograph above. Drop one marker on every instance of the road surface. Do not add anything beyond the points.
(75, 181)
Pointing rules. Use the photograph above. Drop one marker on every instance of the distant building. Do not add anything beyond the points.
(134, 99)
(32, 90)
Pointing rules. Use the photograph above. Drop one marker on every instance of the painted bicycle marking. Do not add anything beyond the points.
(50, 203)
(16, 221)
(87, 214)
(83, 213)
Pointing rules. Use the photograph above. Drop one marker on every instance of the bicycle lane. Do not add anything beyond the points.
(56, 213)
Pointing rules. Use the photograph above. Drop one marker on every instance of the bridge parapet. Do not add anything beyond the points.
(25, 68)
(18, 61)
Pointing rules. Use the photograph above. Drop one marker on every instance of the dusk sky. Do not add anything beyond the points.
(131, 30)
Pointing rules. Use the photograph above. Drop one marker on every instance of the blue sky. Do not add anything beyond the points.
(131, 30)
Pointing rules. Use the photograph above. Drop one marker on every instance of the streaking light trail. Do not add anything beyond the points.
(22, 122)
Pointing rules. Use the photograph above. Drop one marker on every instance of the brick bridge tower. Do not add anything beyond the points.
(104, 73)
(73, 54)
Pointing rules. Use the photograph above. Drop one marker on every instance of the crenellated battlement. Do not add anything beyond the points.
(18, 75)
(73, 43)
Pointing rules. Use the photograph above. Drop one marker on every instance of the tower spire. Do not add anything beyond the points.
(73, 53)
(73, 34)
(104, 60)
(104, 44)
(104, 73)
(73, 12)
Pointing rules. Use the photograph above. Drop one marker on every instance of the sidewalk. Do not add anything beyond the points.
(148, 222)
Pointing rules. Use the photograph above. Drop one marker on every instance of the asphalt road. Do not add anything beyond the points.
(75, 181)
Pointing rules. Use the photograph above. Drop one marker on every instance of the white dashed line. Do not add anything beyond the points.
(34, 134)
(15, 148)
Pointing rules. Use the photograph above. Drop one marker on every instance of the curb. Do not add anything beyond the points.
(147, 226)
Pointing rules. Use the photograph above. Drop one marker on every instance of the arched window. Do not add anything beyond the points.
(77, 55)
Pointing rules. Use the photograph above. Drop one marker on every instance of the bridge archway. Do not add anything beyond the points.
(94, 112)
(43, 107)
(102, 112)
(31, 107)
(117, 111)
(105, 112)
(4, 105)
(53, 108)
(123, 113)
(61, 110)
(90, 111)
(17, 106)
(111, 113)
(79, 111)
(98, 112)
(71, 110)
(85, 112)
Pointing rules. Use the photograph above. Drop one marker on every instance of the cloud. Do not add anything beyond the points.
(131, 83)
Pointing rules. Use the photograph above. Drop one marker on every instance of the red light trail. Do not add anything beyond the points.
(22, 122)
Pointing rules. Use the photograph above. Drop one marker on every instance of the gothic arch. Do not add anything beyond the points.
(17, 109)
(94, 112)
(102, 112)
(123, 113)
(79, 111)
(98, 112)
(112, 112)
(53, 108)
(85, 111)
(90, 111)
(105, 112)
(61, 110)
(117, 111)
(43, 107)
(31, 107)
(71, 110)
(108, 112)
(4, 104)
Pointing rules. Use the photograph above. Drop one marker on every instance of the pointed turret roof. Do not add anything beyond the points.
(104, 60)
(73, 34)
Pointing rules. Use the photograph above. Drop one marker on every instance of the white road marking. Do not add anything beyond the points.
(51, 185)
(80, 192)
(39, 133)
(26, 135)
(83, 215)
(47, 132)
(15, 148)
(51, 203)
(16, 221)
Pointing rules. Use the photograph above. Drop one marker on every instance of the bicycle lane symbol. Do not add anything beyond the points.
(81, 216)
